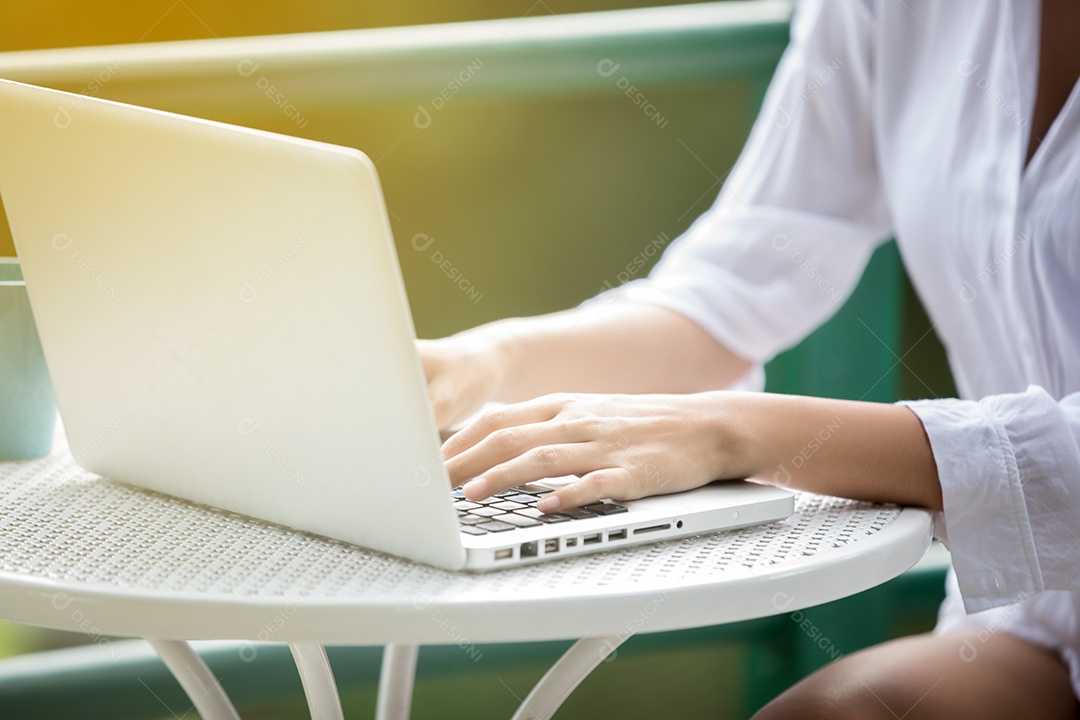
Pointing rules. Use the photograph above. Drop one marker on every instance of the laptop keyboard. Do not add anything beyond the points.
(516, 508)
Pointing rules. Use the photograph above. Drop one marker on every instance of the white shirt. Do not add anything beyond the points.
(912, 118)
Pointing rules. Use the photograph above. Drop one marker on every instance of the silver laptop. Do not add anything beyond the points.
(224, 320)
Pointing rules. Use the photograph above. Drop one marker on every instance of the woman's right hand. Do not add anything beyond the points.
(464, 372)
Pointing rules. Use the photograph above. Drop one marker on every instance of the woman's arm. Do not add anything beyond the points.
(624, 447)
(598, 348)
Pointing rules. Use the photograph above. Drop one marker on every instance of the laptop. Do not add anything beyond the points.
(224, 320)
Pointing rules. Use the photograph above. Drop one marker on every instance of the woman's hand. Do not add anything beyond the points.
(621, 446)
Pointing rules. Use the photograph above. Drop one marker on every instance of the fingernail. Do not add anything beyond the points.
(548, 503)
(476, 488)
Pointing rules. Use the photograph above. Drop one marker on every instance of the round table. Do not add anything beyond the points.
(90, 555)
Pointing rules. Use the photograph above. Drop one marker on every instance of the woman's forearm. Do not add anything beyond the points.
(607, 348)
(861, 450)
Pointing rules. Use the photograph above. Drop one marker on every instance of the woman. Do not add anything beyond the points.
(954, 126)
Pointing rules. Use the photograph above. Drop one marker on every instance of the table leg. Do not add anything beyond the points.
(205, 691)
(396, 682)
(318, 680)
(564, 676)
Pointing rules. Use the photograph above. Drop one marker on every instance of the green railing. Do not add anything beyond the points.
(535, 56)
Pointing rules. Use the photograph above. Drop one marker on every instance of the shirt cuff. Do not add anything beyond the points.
(986, 525)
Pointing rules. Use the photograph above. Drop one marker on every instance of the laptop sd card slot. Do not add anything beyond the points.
(652, 528)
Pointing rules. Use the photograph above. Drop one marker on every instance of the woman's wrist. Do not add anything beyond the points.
(731, 420)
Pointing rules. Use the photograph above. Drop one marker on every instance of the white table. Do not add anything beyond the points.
(93, 556)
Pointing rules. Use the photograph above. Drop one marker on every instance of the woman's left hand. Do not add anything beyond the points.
(621, 447)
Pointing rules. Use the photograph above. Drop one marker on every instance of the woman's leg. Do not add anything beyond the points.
(926, 677)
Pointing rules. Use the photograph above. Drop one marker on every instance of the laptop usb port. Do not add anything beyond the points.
(504, 554)
(652, 528)
(551, 546)
(617, 534)
(528, 550)
(591, 539)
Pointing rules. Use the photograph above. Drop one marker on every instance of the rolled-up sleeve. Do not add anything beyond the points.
(793, 228)
(1009, 467)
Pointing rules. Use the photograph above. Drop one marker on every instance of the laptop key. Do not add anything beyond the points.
(519, 520)
(523, 499)
(472, 519)
(556, 518)
(540, 515)
(466, 505)
(605, 508)
(472, 530)
(508, 505)
(494, 526)
(577, 513)
(531, 489)
(486, 511)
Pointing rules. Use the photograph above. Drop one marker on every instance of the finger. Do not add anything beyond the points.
(545, 461)
(505, 445)
(607, 483)
(533, 411)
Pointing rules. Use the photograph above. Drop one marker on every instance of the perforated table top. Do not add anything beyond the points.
(78, 552)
